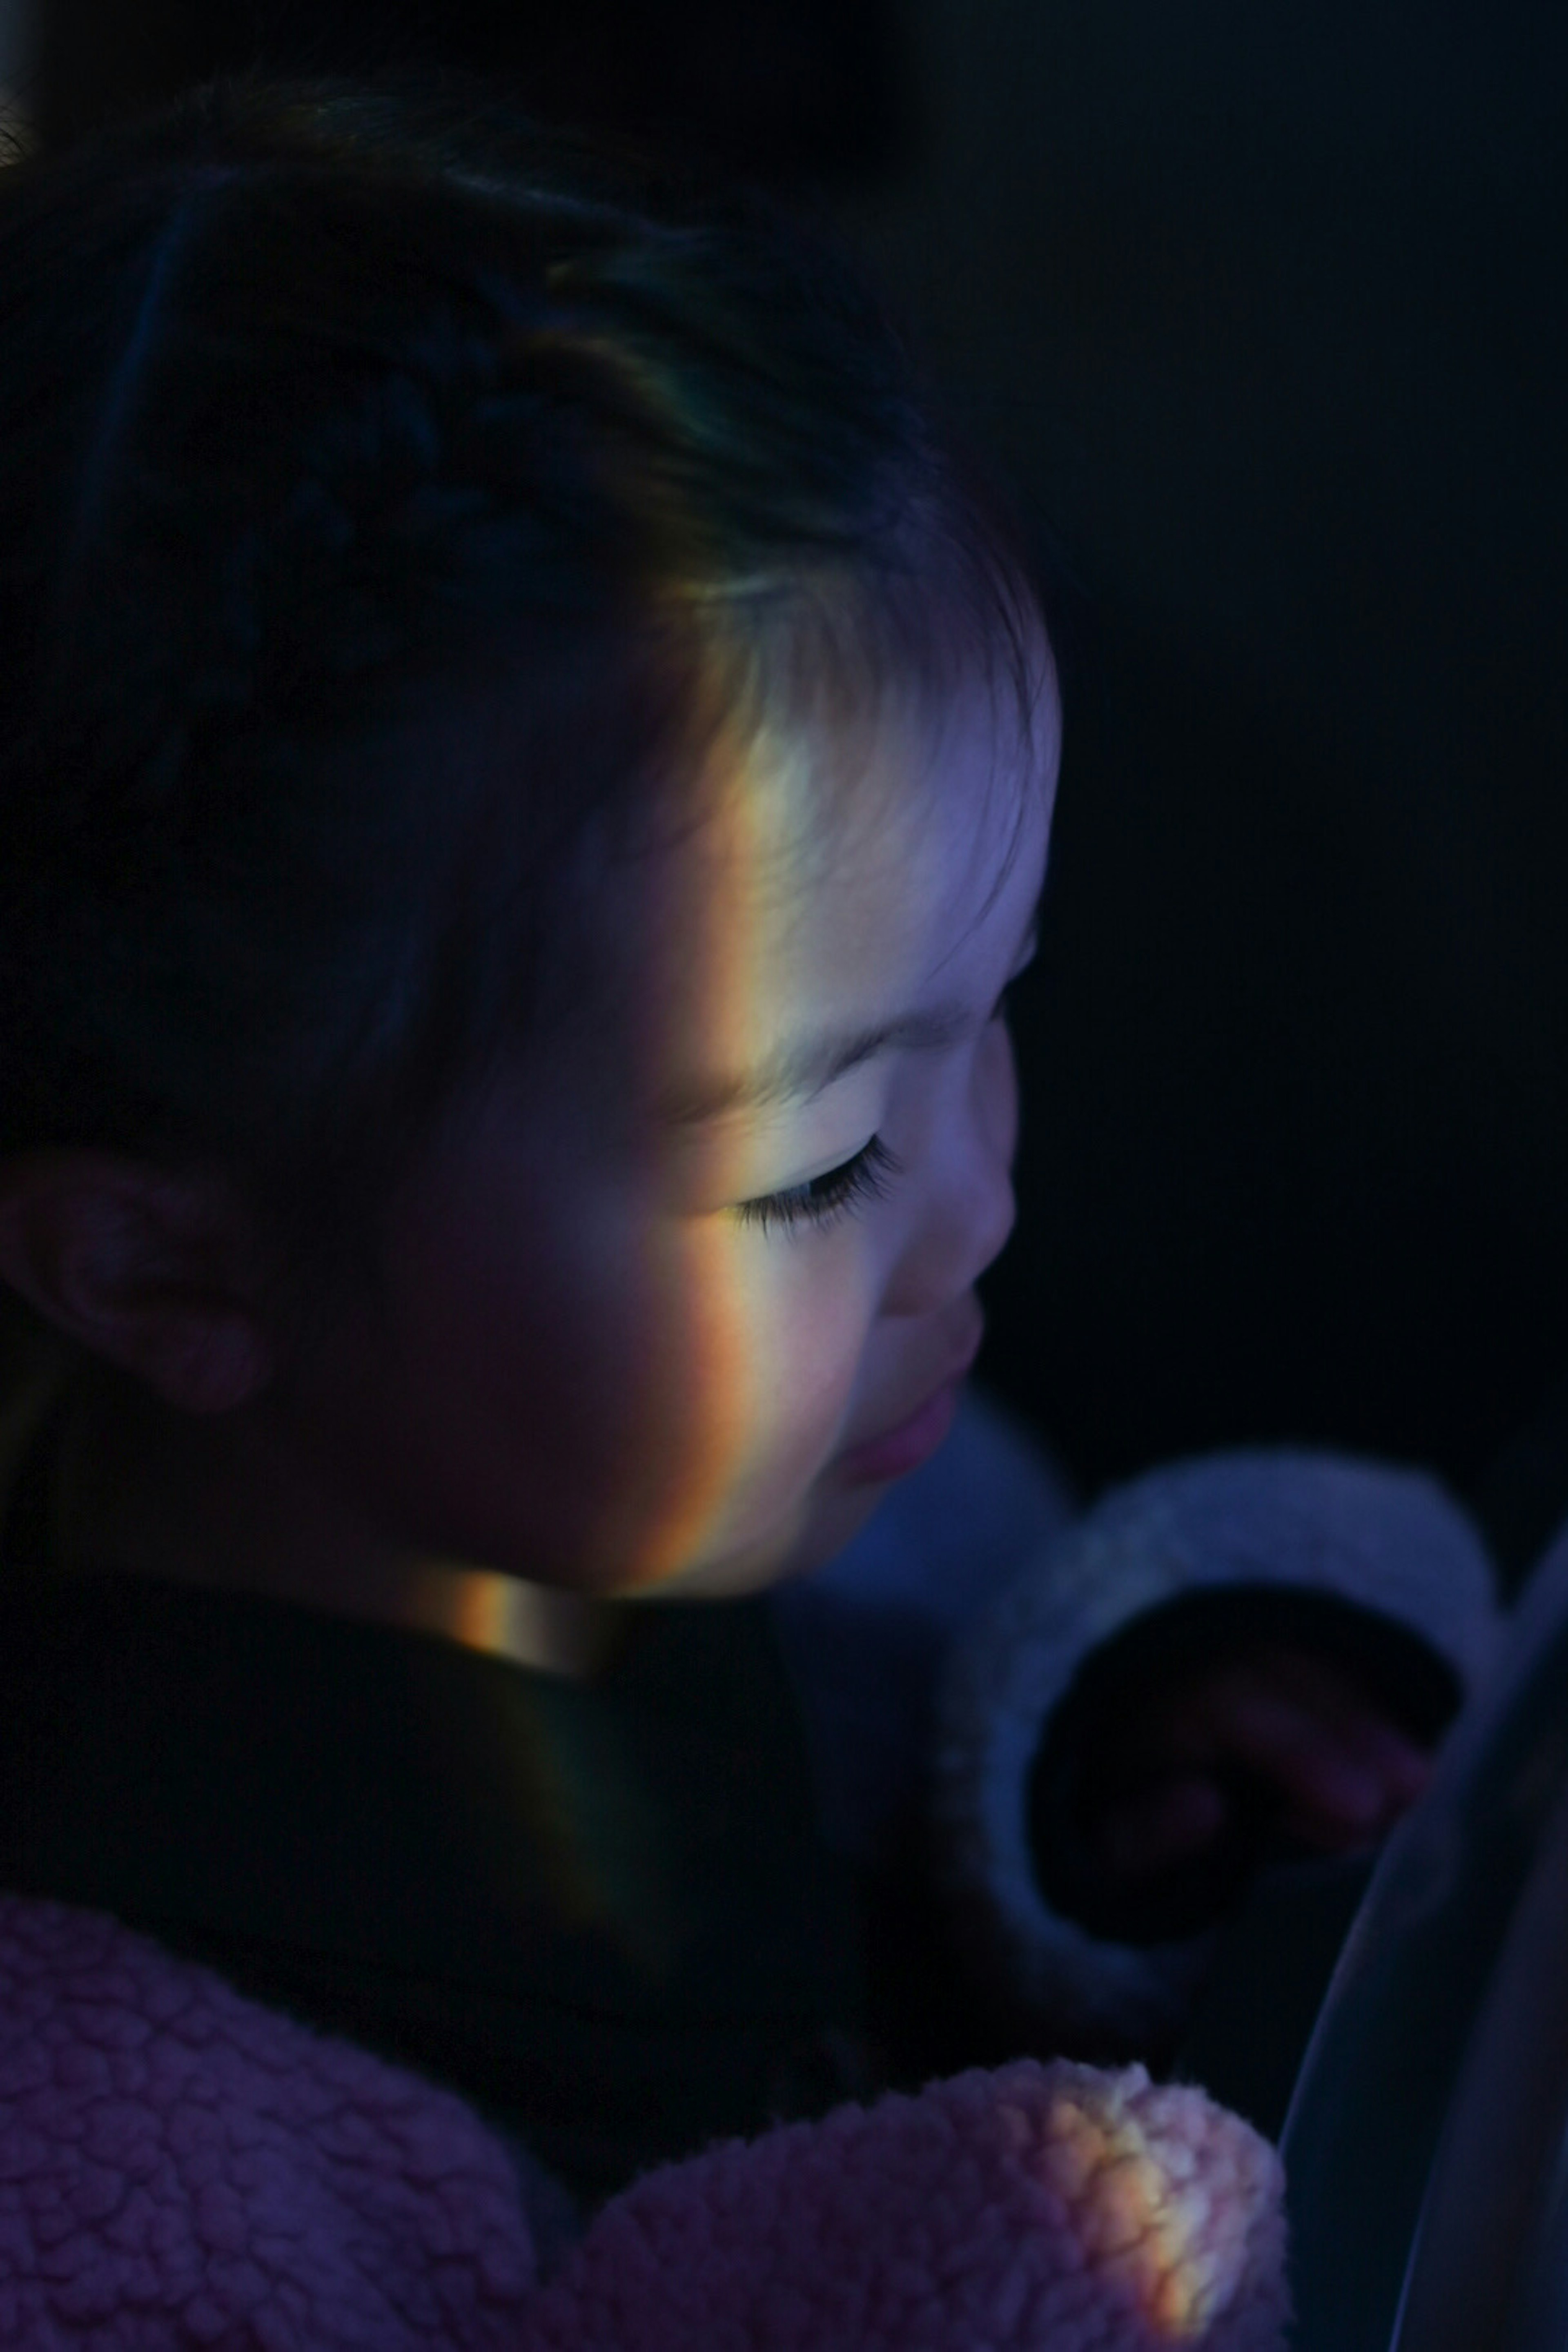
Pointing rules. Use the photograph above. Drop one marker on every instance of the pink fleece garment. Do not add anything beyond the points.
(181, 2168)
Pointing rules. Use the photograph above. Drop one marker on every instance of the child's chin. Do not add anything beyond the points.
(834, 1522)
(830, 1523)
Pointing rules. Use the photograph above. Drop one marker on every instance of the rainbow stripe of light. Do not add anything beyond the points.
(1145, 2216)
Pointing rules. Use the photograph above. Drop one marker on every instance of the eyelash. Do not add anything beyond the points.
(841, 1190)
(827, 1197)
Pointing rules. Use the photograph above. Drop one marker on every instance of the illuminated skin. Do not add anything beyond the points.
(613, 1349)
(609, 1356)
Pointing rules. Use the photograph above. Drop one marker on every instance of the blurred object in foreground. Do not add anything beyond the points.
(1426, 2140)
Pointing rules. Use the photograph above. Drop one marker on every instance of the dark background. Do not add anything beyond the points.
(1262, 311)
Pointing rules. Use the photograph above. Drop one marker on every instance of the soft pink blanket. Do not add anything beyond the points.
(181, 2168)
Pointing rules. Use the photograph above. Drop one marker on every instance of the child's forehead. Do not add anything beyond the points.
(816, 846)
(795, 779)
(903, 938)
(825, 873)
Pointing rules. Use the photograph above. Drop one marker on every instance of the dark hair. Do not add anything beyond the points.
(316, 404)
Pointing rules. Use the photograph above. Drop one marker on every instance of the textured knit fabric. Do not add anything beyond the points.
(181, 2168)
(1389, 1543)
(1049, 2208)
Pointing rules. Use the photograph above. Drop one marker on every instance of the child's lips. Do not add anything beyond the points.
(904, 1447)
(911, 1439)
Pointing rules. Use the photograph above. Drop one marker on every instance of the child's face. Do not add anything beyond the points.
(650, 1322)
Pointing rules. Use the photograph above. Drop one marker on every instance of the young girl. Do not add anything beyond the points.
(524, 782)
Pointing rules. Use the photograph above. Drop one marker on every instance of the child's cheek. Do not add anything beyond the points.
(809, 1348)
(763, 1338)
(995, 1093)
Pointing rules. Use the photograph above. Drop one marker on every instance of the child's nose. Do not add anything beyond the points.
(963, 1231)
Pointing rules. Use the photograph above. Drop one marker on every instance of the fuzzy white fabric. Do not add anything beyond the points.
(1389, 1541)
(183, 2168)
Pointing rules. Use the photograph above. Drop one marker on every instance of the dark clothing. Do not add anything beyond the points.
(601, 1910)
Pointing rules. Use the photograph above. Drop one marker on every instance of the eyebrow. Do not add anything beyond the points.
(799, 1072)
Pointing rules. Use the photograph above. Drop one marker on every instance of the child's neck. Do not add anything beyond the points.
(145, 1491)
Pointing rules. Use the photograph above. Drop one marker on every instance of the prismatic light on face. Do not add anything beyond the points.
(820, 953)
(689, 1281)
(728, 973)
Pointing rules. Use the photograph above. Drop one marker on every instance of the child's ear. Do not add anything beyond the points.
(155, 1274)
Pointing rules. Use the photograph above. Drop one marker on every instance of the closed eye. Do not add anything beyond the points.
(827, 1197)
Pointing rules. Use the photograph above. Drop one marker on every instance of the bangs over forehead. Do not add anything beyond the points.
(346, 393)
(817, 666)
